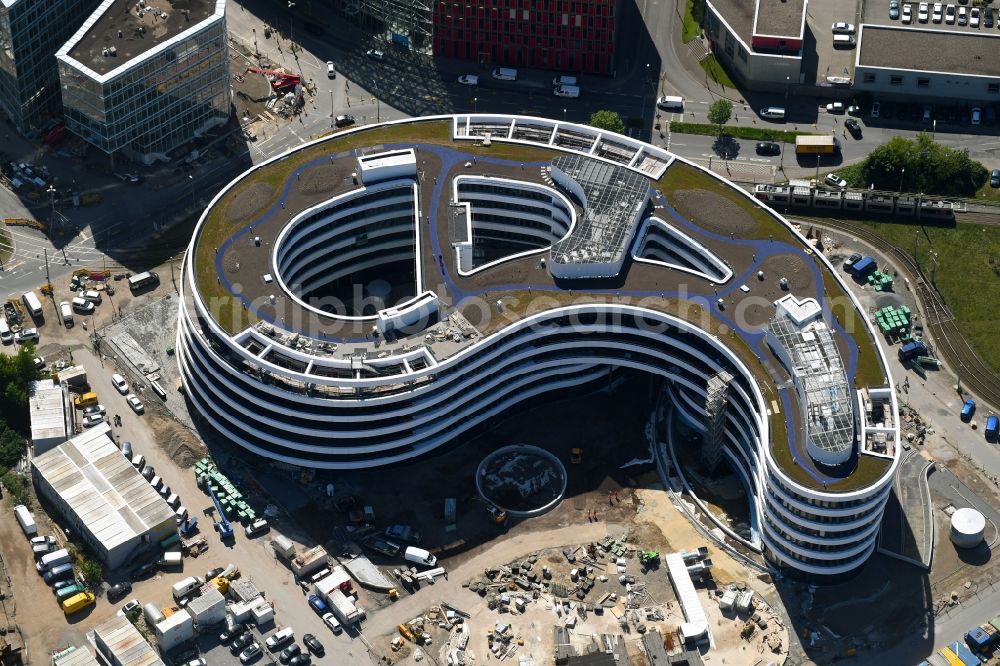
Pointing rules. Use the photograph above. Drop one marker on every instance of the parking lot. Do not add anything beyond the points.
(949, 19)
(829, 61)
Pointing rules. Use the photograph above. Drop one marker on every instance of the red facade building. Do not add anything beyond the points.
(576, 36)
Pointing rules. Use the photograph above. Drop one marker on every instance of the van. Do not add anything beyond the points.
(86, 400)
(419, 556)
(139, 462)
(78, 602)
(843, 41)
(156, 482)
(992, 428)
(40, 550)
(32, 303)
(6, 337)
(25, 520)
(67, 314)
(83, 306)
(53, 559)
(572, 92)
(773, 113)
(185, 587)
(143, 281)
(564, 80)
(92, 296)
(173, 500)
(181, 514)
(279, 638)
(670, 103)
(65, 593)
(61, 572)
(505, 74)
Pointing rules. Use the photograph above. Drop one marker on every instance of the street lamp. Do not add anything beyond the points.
(564, 115)
(291, 23)
(191, 189)
(475, 103)
(902, 170)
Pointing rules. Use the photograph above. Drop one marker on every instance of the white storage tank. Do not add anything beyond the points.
(153, 614)
(967, 528)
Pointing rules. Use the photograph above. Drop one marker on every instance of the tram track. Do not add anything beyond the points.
(949, 342)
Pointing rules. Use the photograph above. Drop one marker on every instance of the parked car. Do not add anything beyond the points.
(214, 573)
(26, 335)
(977, 116)
(230, 634)
(963, 16)
(343, 120)
(118, 591)
(842, 28)
(974, 17)
(877, 106)
(937, 12)
(43, 540)
(907, 14)
(835, 181)
(131, 608)
(854, 110)
(768, 148)
(835, 107)
(252, 652)
(968, 409)
(893, 9)
(313, 644)
(241, 643)
(331, 621)
(469, 80)
(375, 54)
(119, 383)
(317, 604)
(922, 12)
(995, 178)
(90, 420)
(143, 570)
(853, 127)
(148, 472)
(331, 70)
(61, 584)
(301, 660)
(289, 653)
(135, 403)
(95, 409)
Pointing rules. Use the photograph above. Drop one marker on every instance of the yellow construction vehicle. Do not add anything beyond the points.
(405, 632)
(393, 594)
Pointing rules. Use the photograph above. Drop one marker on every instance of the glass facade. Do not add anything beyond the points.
(160, 100)
(30, 34)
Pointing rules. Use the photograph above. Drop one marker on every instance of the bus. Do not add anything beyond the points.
(143, 280)
(809, 144)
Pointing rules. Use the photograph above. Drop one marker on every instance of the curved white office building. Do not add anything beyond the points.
(395, 292)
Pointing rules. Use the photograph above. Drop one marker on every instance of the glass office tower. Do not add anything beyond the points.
(140, 79)
(30, 34)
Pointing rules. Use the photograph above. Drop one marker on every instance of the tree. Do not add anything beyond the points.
(920, 165)
(720, 112)
(17, 489)
(15, 373)
(607, 120)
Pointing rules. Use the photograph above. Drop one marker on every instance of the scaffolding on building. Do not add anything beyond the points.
(408, 23)
(716, 398)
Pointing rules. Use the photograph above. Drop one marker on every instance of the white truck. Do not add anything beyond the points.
(26, 520)
(420, 556)
(344, 609)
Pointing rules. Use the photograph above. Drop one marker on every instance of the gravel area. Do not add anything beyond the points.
(250, 201)
(713, 212)
(319, 179)
(790, 266)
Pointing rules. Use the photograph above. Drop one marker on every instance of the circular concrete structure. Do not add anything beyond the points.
(524, 273)
(967, 528)
(521, 479)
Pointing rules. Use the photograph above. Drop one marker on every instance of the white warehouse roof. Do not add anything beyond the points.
(102, 487)
(120, 638)
(47, 408)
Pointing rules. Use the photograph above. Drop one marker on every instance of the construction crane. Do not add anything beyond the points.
(222, 525)
(278, 78)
